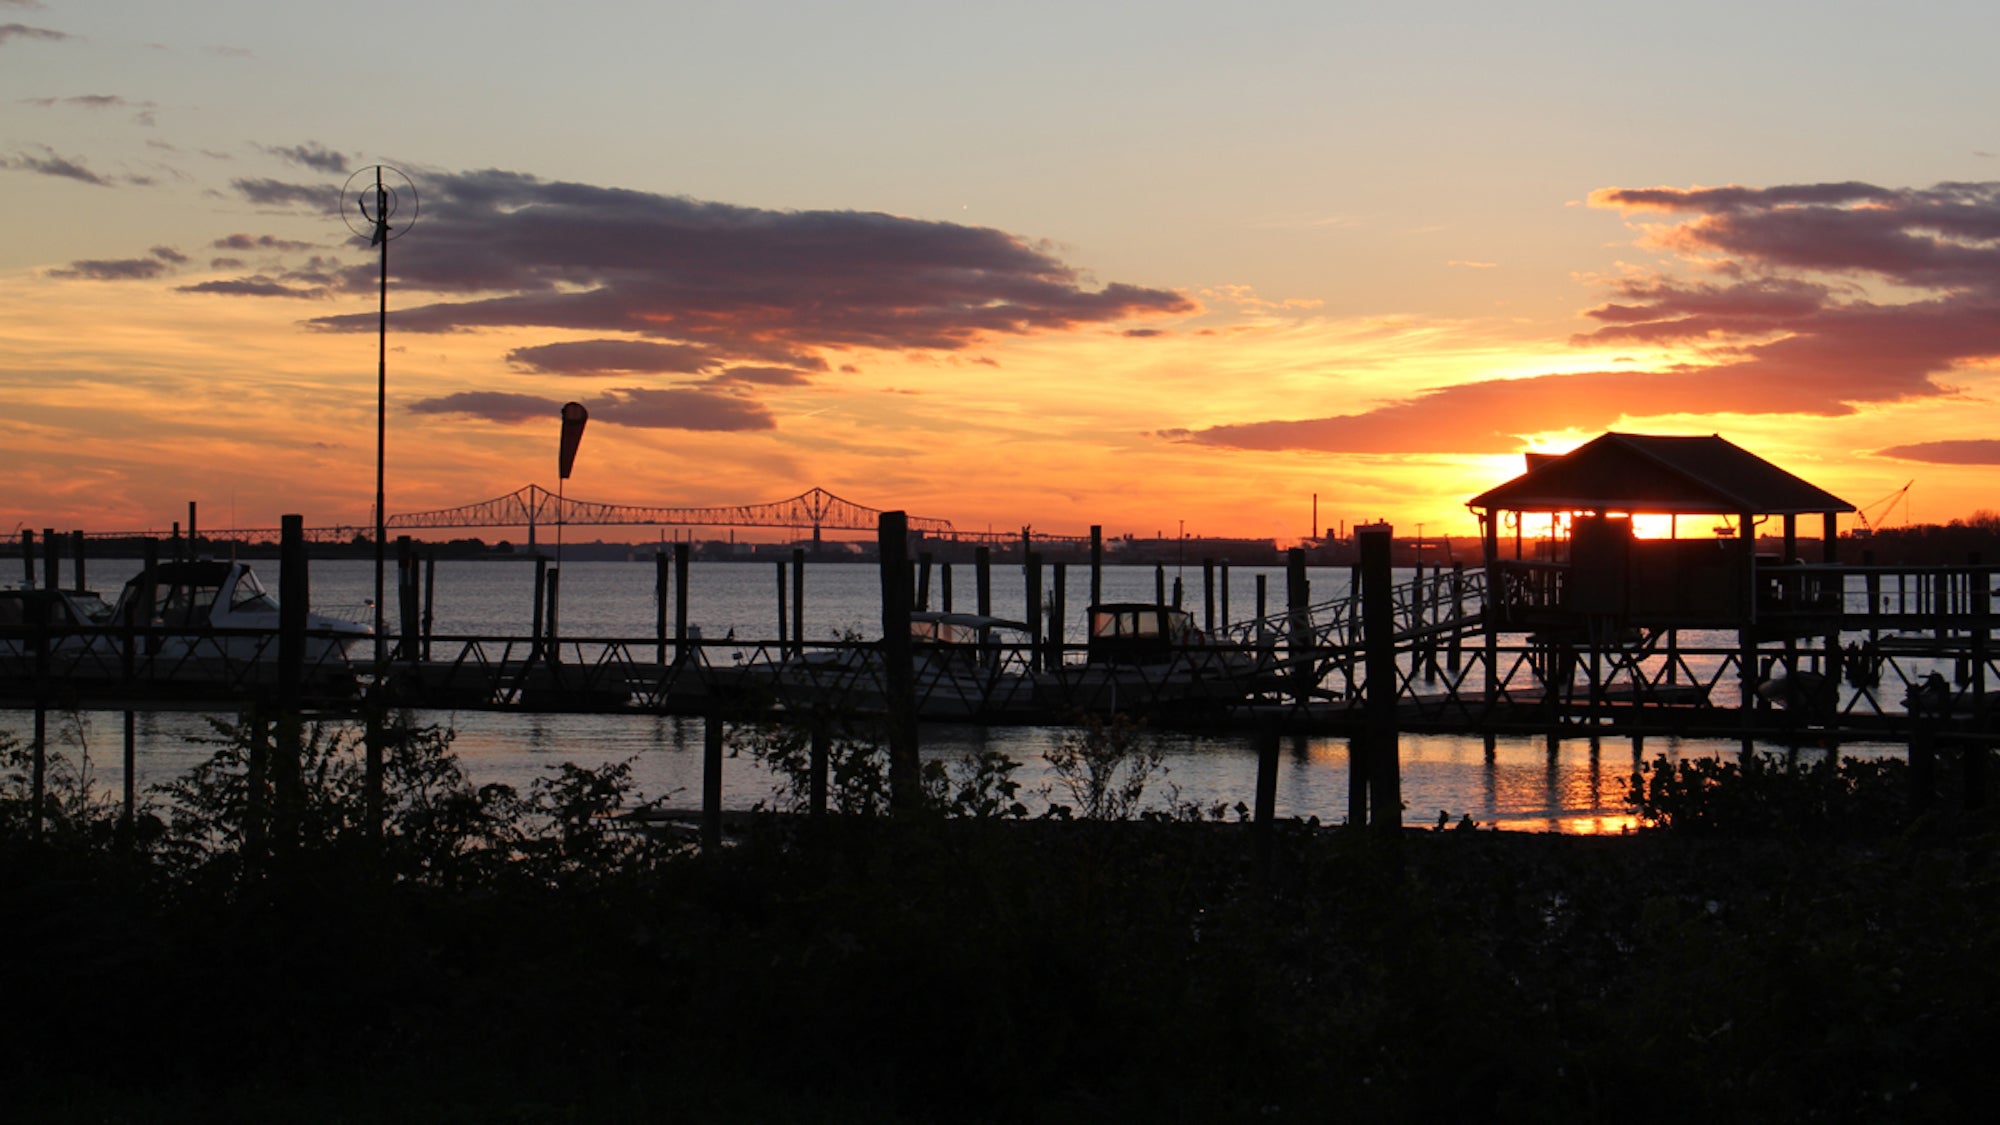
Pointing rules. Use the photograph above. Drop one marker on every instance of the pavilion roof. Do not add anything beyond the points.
(1648, 474)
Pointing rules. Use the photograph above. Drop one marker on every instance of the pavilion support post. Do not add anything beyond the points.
(1496, 606)
(1746, 628)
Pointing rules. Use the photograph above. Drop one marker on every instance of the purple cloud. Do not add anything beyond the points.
(1789, 341)
(245, 242)
(613, 357)
(50, 164)
(681, 408)
(738, 283)
(11, 31)
(494, 406)
(163, 259)
(257, 286)
(312, 155)
(277, 193)
(1968, 451)
(677, 408)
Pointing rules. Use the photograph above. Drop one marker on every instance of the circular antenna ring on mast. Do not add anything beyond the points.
(379, 203)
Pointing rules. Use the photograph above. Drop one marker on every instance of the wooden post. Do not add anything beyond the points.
(76, 556)
(923, 579)
(660, 573)
(1451, 660)
(1298, 627)
(893, 543)
(1223, 578)
(784, 616)
(1096, 564)
(293, 606)
(51, 560)
(681, 551)
(554, 634)
(1058, 615)
(149, 594)
(944, 586)
(28, 557)
(1208, 596)
(1379, 749)
(1035, 616)
(1872, 582)
(407, 604)
(430, 598)
(982, 579)
(535, 634)
(1160, 583)
(1267, 773)
(1267, 792)
(798, 601)
(711, 783)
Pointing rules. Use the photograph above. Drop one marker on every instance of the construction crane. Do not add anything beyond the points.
(1886, 504)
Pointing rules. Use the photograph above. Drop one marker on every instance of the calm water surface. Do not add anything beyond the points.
(1518, 783)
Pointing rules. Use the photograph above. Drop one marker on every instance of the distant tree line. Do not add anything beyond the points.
(1931, 544)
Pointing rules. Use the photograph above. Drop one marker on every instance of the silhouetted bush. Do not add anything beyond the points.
(526, 957)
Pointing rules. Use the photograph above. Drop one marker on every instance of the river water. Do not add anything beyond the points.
(1520, 783)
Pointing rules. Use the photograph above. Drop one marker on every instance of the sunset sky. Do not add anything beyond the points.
(1142, 265)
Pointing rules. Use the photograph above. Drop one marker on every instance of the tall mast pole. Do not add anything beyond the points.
(381, 238)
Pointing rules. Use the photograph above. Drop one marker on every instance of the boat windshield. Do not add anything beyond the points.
(251, 597)
(186, 605)
(90, 608)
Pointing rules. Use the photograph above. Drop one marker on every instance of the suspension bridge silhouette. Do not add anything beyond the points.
(533, 507)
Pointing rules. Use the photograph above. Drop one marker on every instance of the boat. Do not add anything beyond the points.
(962, 666)
(42, 631)
(218, 616)
(200, 625)
(1144, 656)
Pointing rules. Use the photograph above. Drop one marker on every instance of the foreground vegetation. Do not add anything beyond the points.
(1783, 942)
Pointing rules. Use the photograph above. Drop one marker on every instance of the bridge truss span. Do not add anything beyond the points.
(533, 505)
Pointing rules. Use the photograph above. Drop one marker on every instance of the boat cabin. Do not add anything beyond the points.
(198, 593)
(1576, 562)
(1138, 633)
